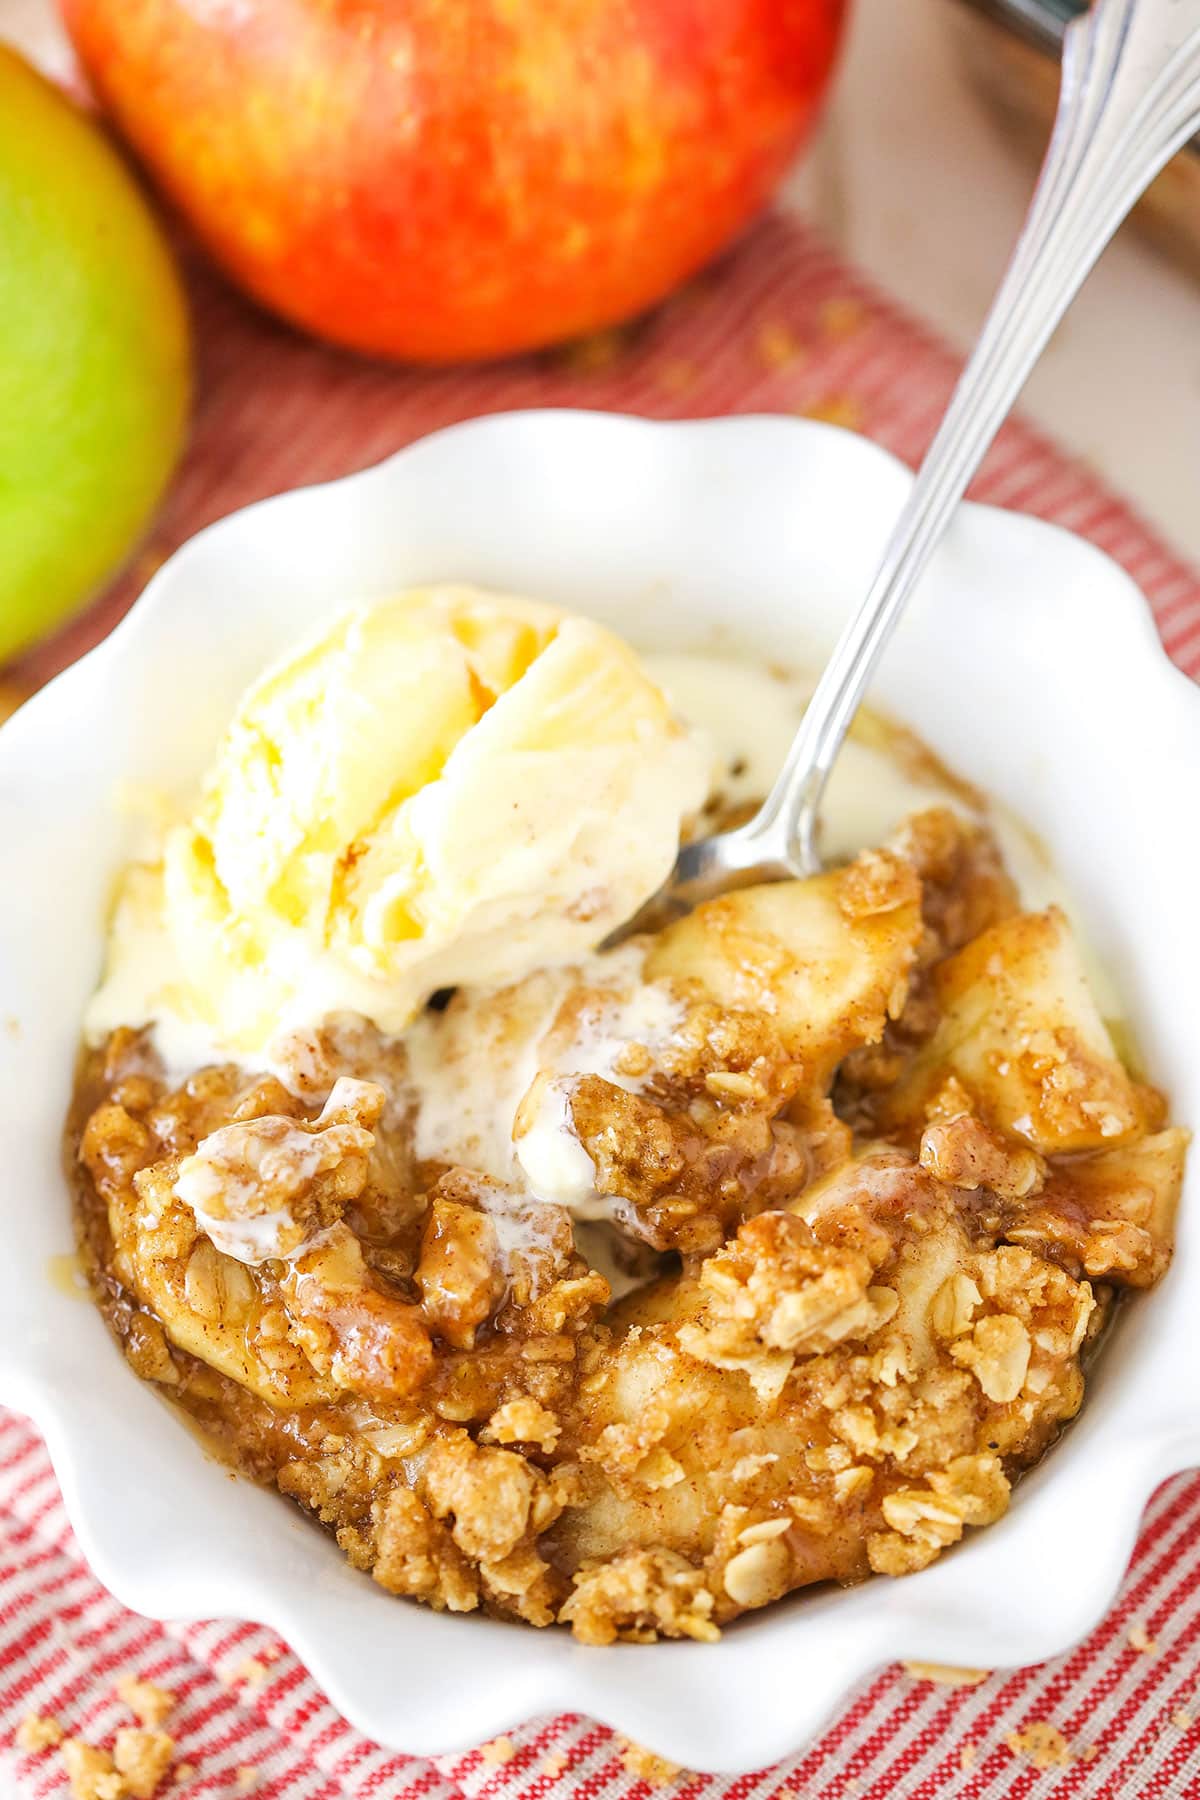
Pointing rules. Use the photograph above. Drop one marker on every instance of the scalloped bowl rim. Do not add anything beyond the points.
(723, 515)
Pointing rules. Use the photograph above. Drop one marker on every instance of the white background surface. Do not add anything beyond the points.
(916, 183)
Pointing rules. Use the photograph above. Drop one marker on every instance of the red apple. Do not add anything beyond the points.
(441, 179)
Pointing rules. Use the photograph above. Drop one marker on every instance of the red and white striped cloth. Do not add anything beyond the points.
(780, 326)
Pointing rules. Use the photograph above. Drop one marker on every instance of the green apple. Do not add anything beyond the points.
(94, 358)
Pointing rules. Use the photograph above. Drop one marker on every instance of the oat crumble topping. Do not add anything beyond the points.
(873, 1178)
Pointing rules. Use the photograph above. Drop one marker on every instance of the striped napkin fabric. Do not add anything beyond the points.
(780, 326)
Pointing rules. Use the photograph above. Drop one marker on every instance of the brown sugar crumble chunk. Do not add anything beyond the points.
(859, 1178)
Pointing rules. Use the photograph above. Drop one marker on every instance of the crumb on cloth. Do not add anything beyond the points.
(678, 376)
(946, 1674)
(142, 1758)
(777, 345)
(498, 1751)
(841, 316)
(658, 1771)
(147, 1701)
(1043, 1743)
(592, 354)
(835, 409)
(132, 1770)
(251, 1672)
(38, 1731)
(90, 1772)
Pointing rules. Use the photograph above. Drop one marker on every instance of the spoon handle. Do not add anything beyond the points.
(1130, 98)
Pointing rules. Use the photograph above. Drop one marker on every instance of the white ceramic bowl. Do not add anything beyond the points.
(1028, 661)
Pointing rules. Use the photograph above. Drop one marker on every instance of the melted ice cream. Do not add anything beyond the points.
(490, 1080)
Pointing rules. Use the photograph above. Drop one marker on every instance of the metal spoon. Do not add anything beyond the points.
(1129, 99)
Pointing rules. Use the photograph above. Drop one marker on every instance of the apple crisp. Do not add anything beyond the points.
(765, 1252)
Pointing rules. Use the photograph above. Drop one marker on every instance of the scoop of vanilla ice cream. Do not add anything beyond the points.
(448, 787)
